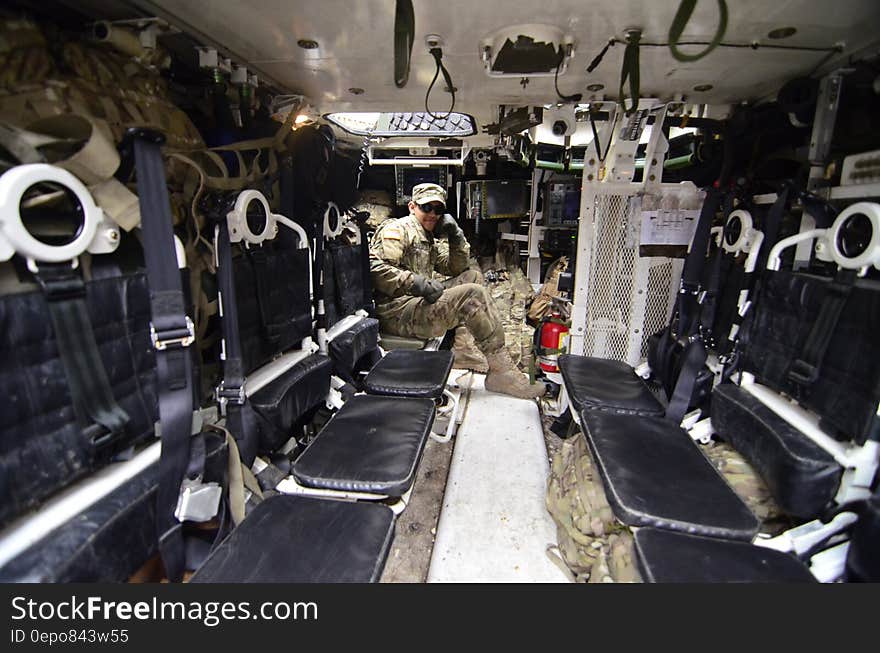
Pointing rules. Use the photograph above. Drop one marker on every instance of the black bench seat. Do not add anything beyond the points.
(667, 557)
(599, 384)
(655, 475)
(296, 539)
(410, 373)
(802, 476)
(372, 444)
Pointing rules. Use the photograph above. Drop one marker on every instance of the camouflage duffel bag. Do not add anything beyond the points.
(594, 546)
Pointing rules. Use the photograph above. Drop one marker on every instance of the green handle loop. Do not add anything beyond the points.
(682, 16)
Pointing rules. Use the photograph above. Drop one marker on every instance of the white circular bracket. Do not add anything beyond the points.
(14, 236)
(742, 243)
(236, 219)
(333, 230)
(871, 254)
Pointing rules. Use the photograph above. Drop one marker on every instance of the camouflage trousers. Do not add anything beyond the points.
(464, 302)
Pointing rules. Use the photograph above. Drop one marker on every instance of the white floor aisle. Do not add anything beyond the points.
(493, 526)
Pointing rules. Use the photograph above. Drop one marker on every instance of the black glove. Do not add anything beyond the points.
(448, 227)
(430, 289)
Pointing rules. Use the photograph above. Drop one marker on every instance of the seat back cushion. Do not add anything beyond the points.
(272, 296)
(44, 445)
(847, 391)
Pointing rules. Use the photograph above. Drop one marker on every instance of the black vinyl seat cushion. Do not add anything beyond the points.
(109, 540)
(351, 345)
(802, 476)
(372, 444)
(295, 539)
(655, 475)
(283, 401)
(667, 557)
(410, 373)
(599, 384)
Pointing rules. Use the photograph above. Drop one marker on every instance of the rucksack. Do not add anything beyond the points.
(594, 546)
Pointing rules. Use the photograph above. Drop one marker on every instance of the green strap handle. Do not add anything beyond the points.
(404, 35)
(630, 70)
(682, 16)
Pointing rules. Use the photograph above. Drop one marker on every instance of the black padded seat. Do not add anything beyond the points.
(372, 444)
(655, 475)
(109, 540)
(295, 539)
(287, 398)
(347, 348)
(667, 557)
(599, 384)
(802, 476)
(408, 373)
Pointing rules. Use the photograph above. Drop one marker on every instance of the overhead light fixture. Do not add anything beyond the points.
(302, 118)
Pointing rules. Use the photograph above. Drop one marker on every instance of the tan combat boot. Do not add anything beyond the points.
(467, 356)
(503, 377)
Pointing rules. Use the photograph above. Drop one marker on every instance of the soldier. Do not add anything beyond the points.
(410, 302)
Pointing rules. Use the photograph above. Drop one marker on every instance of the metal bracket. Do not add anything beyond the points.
(198, 501)
(173, 338)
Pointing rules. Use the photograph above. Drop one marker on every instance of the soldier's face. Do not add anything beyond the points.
(428, 220)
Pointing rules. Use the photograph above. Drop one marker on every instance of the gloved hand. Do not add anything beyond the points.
(430, 289)
(448, 227)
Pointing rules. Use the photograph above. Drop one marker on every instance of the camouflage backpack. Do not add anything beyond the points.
(593, 545)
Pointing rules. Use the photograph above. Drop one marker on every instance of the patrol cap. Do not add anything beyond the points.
(424, 193)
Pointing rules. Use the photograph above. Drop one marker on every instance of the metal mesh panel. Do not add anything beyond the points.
(611, 279)
(630, 298)
(657, 311)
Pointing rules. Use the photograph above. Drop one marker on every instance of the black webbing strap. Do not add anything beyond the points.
(693, 265)
(694, 357)
(172, 332)
(272, 329)
(771, 228)
(230, 393)
(709, 303)
(87, 380)
(629, 71)
(804, 370)
(367, 278)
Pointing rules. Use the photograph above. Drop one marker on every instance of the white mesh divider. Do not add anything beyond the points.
(629, 297)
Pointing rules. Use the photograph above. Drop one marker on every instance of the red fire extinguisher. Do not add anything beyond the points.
(551, 339)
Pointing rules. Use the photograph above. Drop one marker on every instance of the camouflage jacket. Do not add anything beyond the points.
(401, 248)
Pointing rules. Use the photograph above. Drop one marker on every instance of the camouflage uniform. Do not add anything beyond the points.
(401, 249)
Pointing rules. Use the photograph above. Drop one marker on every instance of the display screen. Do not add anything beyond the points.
(506, 199)
(406, 178)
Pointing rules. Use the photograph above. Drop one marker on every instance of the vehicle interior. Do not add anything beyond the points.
(674, 207)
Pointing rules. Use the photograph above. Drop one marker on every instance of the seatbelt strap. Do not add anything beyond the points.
(366, 277)
(259, 264)
(709, 303)
(693, 265)
(694, 358)
(87, 379)
(230, 392)
(771, 228)
(172, 333)
(805, 369)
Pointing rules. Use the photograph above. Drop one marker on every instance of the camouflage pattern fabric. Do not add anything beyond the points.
(748, 485)
(377, 203)
(402, 248)
(542, 305)
(592, 543)
(86, 79)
